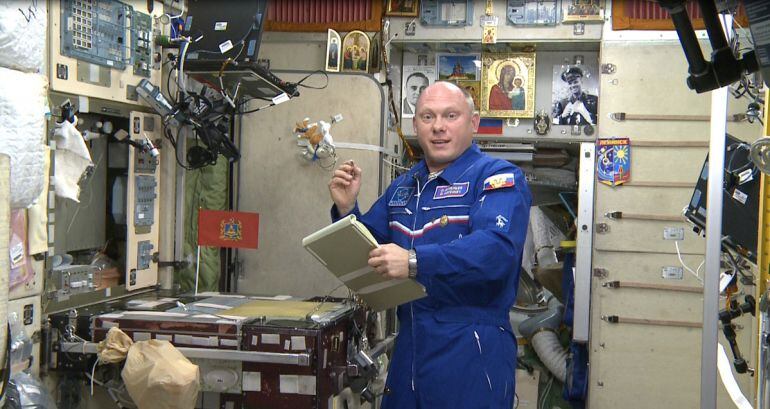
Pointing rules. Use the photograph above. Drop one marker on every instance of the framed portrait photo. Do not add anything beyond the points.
(508, 85)
(333, 42)
(406, 8)
(414, 81)
(458, 67)
(584, 10)
(355, 52)
(575, 98)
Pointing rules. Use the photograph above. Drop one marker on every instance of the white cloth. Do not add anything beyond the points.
(23, 26)
(72, 159)
(23, 107)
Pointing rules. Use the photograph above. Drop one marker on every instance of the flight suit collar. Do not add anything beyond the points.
(455, 170)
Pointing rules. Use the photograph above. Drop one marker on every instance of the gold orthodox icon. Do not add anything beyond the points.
(508, 85)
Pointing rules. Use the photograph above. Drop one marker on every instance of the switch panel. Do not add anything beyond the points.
(144, 201)
(144, 255)
(143, 197)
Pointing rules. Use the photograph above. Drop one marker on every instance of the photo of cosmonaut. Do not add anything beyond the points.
(575, 95)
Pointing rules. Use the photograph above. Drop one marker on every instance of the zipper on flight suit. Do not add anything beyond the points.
(411, 246)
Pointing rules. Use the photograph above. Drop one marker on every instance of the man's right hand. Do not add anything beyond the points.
(344, 186)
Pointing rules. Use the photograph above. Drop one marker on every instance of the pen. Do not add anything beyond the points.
(352, 167)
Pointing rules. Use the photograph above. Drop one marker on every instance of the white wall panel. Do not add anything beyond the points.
(290, 194)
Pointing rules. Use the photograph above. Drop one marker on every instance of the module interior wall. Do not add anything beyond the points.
(291, 194)
(629, 360)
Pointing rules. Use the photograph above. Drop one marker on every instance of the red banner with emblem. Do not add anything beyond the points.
(217, 228)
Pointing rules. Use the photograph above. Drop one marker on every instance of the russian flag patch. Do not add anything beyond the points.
(498, 181)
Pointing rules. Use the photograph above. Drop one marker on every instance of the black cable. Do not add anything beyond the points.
(7, 370)
(326, 76)
(174, 144)
(168, 87)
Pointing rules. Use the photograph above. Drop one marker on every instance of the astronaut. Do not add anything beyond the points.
(456, 223)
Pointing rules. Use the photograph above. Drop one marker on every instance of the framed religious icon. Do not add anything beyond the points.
(473, 88)
(405, 8)
(355, 52)
(583, 10)
(575, 99)
(508, 85)
(333, 51)
(455, 67)
(415, 79)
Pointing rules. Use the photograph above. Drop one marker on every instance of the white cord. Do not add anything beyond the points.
(180, 13)
(679, 254)
(180, 74)
(90, 196)
(93, 372)
(388, 162)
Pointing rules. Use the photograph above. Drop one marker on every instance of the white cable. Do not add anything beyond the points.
(679, 254)
(394, 165)
(180, 13)
(93, 372)
(180, 74)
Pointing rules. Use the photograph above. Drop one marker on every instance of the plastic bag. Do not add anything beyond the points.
(158, 376)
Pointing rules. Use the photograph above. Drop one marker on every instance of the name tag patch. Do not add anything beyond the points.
(453, 190)
(401, 196)
(498, 181)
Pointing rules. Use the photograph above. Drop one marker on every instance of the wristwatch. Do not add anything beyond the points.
(412, 264)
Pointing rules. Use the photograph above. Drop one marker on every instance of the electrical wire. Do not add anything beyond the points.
(180, 13)
(679, 255)
(394, 165)
(326, 77)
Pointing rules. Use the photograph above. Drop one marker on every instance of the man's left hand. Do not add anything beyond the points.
(390, 261)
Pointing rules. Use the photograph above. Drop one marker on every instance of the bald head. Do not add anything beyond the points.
(444, 123)
(453, 90)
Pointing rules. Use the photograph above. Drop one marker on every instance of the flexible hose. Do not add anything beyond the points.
(551, 353)
(541, 331)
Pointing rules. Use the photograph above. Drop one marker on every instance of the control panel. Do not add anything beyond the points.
(143, 194)
(103, 48)
(70, 280)
(144, 202)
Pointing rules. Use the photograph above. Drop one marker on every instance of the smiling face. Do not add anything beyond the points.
(444, 123)
(575, 84)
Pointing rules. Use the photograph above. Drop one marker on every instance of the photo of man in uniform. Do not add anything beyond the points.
(579, 107)
(415, 84)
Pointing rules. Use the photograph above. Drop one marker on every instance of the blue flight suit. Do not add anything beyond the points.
(455, 347)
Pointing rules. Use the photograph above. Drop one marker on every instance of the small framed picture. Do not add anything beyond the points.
(415, 79)
(333, 51)
(456, 67)
(355, 52)
(473, 88)
(584, 10)
(575, 95)
(508, 85)
(406, 8)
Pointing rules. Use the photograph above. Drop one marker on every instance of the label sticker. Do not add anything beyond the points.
(453, 190)
(226, 46)
(740, 196)
(220, 26)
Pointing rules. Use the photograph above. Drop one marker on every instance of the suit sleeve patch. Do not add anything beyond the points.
(499, 181)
